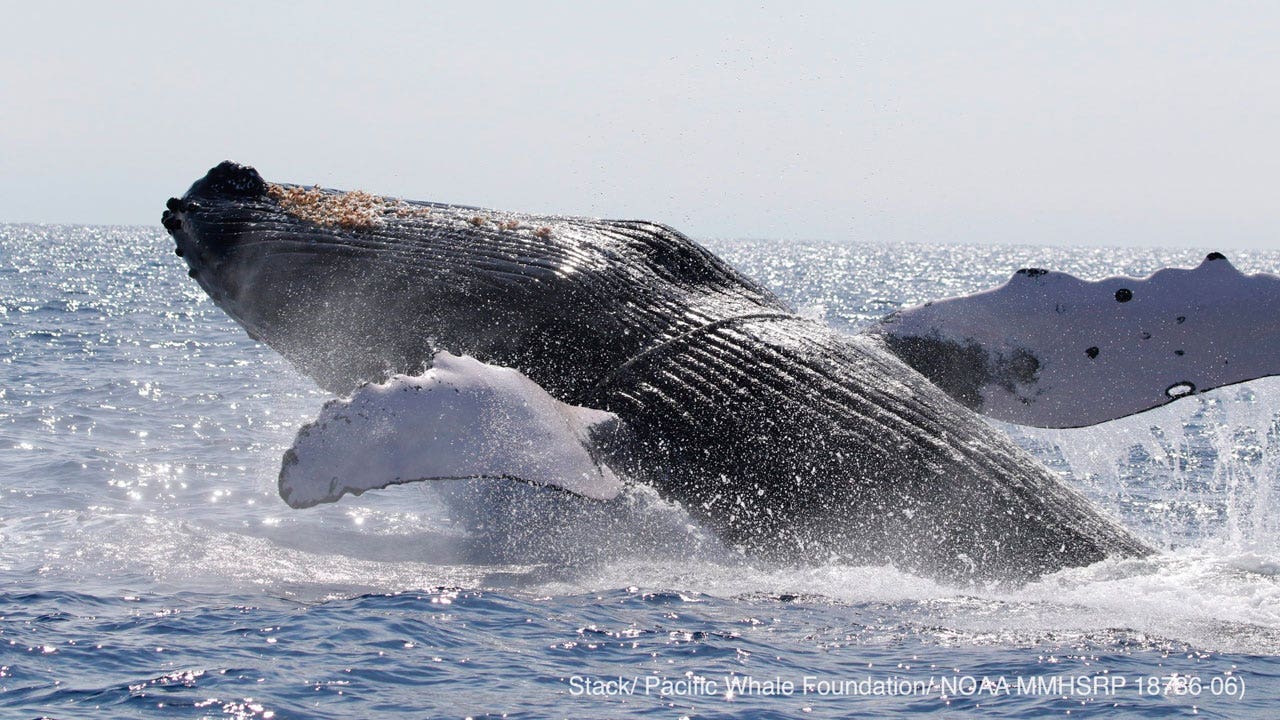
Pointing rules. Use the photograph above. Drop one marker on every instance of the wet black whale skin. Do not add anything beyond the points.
(790, 440)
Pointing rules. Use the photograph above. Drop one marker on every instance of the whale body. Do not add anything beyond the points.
(790, 440)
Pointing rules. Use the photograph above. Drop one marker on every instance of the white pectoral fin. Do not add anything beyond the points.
(1051, 350)
(460, 419)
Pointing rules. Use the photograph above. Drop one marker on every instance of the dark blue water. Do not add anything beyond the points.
(147, 568)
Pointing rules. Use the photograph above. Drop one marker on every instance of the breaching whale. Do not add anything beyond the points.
(582, 353)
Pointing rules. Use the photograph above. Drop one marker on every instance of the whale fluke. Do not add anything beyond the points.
(1050, 350)
(460, 419)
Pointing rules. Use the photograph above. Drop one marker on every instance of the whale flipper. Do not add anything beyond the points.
(460, 419)
(1050, 350)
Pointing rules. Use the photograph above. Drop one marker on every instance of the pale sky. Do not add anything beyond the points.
(1057, 123)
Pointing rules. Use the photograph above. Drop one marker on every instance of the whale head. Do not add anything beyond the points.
(354, 287)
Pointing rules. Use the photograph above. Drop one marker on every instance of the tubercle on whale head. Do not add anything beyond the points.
(227, 181)
(230, 179)
(207, 225)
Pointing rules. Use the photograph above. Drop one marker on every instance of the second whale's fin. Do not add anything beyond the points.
(1050, 350)
(460, 419)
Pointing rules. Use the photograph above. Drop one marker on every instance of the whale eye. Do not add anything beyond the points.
(1124, 295)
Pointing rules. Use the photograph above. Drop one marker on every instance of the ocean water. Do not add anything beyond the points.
(148, 568)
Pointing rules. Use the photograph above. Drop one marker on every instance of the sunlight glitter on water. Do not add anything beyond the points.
(143, 434)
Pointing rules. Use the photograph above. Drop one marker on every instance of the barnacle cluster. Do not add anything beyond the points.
(501, 224)
(355, 210)
(359, 210)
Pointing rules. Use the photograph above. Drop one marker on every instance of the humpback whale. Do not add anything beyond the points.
(467, 341)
